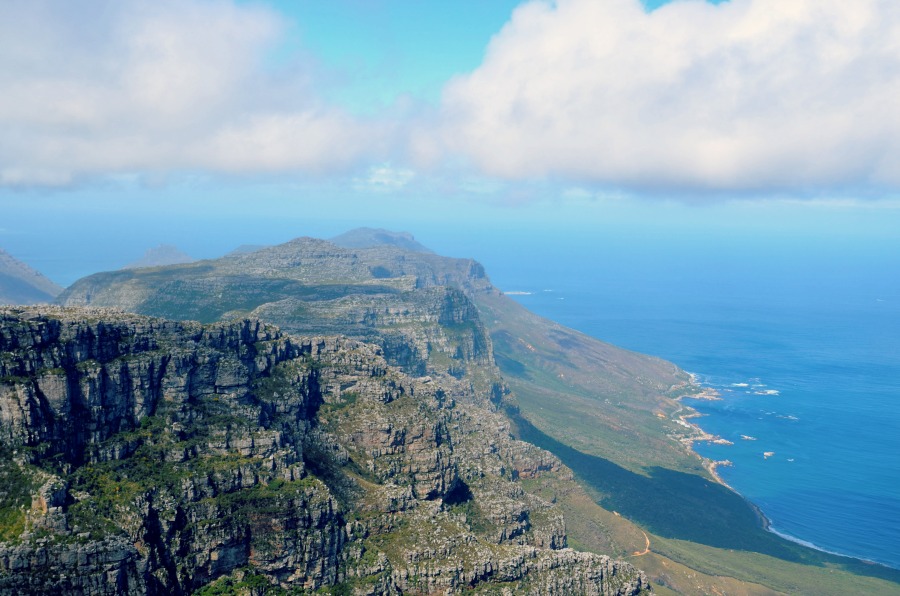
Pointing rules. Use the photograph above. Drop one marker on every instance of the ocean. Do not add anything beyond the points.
(804, 350)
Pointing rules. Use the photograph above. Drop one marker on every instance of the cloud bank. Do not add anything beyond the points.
(105, 87)
(744, 95)
(747, 95)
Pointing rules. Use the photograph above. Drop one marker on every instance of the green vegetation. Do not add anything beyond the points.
(589, 395)
(241, 582)
(820, 573)
(16, 487)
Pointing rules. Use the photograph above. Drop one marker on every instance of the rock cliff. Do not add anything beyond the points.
(147, 456)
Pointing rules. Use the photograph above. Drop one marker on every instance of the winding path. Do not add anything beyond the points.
(646, 548)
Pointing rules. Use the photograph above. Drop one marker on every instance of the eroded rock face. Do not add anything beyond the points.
(144, 456)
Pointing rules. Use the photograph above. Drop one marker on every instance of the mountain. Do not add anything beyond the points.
(146, 456)
(20, 284)
(407, 303)
(372, 237)
(158, 256)
(245, 249)
(613, 417)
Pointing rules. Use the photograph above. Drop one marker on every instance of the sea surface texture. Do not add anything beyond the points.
(806, 357)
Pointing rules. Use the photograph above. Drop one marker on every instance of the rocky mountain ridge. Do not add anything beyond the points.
(416, 306)
(431, 315)
(146, 456)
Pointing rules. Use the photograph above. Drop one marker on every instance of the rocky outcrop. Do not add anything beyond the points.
(145, 456)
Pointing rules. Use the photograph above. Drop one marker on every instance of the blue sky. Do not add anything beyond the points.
(380, 50)
(212, 123)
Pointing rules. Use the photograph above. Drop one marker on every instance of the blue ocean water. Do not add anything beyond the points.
(805, 353)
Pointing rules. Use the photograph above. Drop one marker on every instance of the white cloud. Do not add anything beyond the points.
(384, 178)
(745, 95)
(577, 193)
(764, 95)
(119, 86)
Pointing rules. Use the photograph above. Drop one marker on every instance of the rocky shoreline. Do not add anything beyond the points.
(711, 465)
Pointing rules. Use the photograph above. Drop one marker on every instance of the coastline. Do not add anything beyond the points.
(683, 416)
(712, 465)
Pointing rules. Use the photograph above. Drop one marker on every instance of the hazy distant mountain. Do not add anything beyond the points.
(164, 254)
(20, 284)
(246, 249)
(372, 237)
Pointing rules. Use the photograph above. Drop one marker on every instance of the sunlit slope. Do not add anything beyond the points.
(303, 269)
(593, 396)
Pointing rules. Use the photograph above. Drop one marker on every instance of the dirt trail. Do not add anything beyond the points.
(646, 548)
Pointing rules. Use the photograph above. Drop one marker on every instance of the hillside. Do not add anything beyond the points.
(20, 284)
(612, 416)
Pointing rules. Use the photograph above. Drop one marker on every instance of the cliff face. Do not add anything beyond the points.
(144, 456)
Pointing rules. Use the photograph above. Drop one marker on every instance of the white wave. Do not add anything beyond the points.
(812, 545)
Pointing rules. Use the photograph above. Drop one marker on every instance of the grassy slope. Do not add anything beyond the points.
(592, 396)
(607, 413)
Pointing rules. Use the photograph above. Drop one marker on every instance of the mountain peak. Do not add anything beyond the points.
(20, 284)
(374, 237)
(164, 254)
